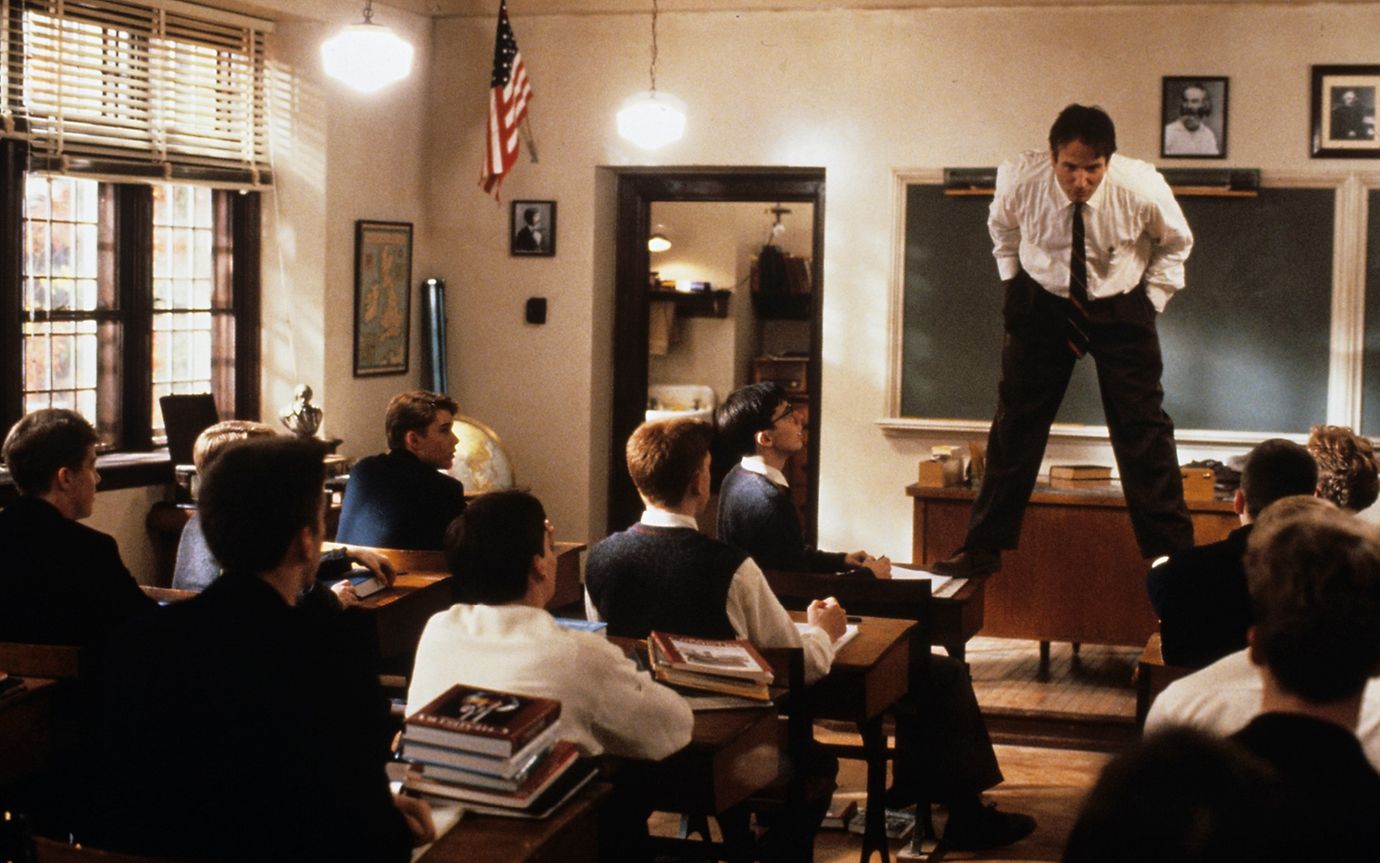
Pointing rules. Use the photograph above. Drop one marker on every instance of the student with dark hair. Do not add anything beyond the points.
(242, 724)
(1090, 246)
(499, 635)
(1186, 797)
(1348, 471)
(1315, 592)
(1200, 593)
(62, 582)
(402, 498)
(758, 425)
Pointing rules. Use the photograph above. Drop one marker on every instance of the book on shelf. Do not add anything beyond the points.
(454, 765)
(720, 657)
(1079, 471)
(488, 721)
(543, 775)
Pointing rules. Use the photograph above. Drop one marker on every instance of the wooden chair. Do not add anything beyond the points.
(1152, 675)
(51, 661)
(894, 598)
(54, 851)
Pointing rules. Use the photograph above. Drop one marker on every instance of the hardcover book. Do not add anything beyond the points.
(562, 756)
(477, 762)
(721, 658)
(482, 720)
(1080, 471)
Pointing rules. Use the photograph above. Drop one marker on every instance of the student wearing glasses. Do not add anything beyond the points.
(756, 513)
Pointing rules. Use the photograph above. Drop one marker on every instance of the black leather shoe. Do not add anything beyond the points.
(968, 564)
(986, 828)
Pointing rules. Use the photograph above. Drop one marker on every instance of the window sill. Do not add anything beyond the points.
(118, 470)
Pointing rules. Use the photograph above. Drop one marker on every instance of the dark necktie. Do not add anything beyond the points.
(1078, 289)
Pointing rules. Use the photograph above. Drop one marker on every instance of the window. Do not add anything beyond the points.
(113, 292)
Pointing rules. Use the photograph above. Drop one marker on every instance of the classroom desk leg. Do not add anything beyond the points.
(874, 749)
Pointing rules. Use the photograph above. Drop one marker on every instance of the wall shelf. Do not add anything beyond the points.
(695, 304)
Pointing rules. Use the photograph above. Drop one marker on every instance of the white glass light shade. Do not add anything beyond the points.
(658, 243)
(367, 57)
(652, 119)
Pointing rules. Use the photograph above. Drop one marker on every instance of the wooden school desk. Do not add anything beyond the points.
(1077, 575)
(869, 675)
(26, 730)
(568, 835)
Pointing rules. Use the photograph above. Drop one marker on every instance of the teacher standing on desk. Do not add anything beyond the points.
(1090, 247)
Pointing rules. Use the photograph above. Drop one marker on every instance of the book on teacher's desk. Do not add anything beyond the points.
(543, 775)
(477, 762)
(482, 720)
(1080, 471)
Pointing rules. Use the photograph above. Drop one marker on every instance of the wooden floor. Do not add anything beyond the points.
(1054, 732)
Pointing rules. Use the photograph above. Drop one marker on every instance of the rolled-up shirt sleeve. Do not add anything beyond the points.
(757, 615)
(1003, 223)
(1170, 242)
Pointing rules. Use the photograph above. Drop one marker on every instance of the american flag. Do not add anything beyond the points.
(508, 95)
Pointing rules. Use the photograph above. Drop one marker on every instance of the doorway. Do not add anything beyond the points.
(788, 352)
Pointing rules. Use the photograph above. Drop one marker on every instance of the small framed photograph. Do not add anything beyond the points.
(1193, 111)
(1344, 99)
(532, 229)
(383, 307)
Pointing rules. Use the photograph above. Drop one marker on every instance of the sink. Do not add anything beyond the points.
(701, 414)
(679, 401)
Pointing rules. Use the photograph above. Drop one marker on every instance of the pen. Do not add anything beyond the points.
(853, 618)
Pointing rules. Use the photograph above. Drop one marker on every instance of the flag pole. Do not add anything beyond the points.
(528, 138)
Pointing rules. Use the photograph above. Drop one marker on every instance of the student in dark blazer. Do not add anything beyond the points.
(1200, 593)
(242, 724)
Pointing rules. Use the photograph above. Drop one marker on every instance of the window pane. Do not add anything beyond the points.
(36, 198)
(36, 245)
(62, 294)
(86, 253)
(62, 209)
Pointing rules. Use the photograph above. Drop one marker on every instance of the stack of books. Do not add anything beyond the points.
(492, 750)
(731, 667)
(1079, 476)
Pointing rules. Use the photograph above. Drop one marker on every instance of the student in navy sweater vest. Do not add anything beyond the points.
(949, 751)
(758, 424)
(663, 574)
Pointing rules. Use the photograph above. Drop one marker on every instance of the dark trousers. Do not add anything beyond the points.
(1035, 368)
(944, 752)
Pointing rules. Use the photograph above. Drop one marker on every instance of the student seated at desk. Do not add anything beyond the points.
(499, 635)
(62, 582)
(756, 514)
(663, 574)
(241, 724)
(401, 498)
(1348, 472)
(1200, 593)
(196, 567)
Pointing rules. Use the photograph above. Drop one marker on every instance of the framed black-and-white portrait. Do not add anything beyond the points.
(1193, 111)
(1344, 100)
(532, 229)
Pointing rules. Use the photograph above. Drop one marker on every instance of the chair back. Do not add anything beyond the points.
(185, 417)
(54, 851)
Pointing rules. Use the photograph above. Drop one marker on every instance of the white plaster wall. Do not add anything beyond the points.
(862, 93)
(121, 514)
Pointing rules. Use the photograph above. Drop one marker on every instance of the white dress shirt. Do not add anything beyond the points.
(757, 464)
(1224, 697)
(607, 705)
(753, 610)
(1132, 226)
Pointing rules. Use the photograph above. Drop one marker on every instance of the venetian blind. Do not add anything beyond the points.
(153, 88)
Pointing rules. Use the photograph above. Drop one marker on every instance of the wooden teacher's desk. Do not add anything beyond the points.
(1078, 574)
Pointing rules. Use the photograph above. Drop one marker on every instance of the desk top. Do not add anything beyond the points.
(869, 674)
(566, 835)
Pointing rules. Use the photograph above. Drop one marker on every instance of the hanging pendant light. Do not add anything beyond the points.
(366, 56)
(658, 241)
(652, 119)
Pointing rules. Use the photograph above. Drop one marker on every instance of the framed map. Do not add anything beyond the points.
(383, 295)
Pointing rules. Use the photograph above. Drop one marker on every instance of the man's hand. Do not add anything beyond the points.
(376, 563)
(880, 567)
(829, 616)
(345, 592)
(417, 814)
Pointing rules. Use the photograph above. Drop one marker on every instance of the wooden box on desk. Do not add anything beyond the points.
(1198, 483)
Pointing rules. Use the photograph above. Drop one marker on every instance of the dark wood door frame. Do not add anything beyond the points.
(638, 189)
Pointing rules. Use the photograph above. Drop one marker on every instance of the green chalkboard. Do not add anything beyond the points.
(1245, 344)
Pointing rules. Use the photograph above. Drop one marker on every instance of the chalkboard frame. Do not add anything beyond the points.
(1345, 338)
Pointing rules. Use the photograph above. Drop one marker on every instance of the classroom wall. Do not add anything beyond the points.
(863, 93)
